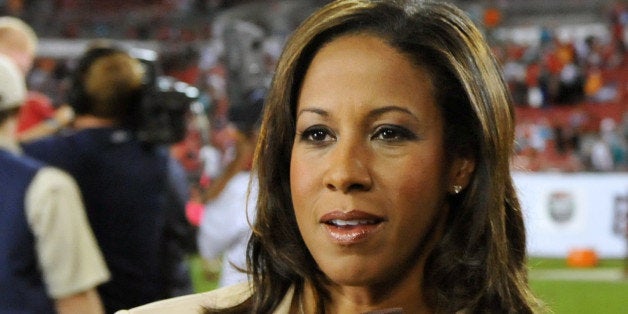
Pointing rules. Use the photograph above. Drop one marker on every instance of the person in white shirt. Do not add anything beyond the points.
(230, 200)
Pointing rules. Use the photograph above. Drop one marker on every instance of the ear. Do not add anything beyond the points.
(460, 174)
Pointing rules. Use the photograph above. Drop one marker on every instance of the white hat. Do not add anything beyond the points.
(12, 84)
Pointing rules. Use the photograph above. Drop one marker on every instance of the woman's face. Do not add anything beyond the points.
(368, 169)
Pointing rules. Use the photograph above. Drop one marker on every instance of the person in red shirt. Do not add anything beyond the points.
(37, 117)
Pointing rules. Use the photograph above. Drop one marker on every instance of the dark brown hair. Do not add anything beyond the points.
(479, 264)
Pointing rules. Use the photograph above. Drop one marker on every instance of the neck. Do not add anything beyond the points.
(8, 135)
(90, 121)
(367, 300)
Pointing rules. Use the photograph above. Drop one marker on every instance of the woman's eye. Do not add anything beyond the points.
(316, 134)
(392, 133)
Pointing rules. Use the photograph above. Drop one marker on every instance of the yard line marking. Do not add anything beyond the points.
(606, 274)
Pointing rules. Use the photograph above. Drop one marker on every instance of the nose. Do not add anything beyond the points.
(348, 168)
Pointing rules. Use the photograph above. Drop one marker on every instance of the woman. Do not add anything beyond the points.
(383, 172)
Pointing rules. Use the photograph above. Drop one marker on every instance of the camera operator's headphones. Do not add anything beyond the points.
(78, 97)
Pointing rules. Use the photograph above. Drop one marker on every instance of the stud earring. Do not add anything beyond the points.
(457, 189)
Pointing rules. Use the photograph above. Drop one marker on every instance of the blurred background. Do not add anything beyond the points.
(564, 60)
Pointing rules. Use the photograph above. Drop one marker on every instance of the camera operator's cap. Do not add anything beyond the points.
(12, 84)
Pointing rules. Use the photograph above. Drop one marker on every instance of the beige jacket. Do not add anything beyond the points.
(195, 303)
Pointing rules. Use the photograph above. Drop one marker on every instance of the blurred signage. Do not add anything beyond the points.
(571, 211)
(620, 221)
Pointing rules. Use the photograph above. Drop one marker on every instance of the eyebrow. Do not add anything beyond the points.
(380, 111)
(372, 114)
(313, 110)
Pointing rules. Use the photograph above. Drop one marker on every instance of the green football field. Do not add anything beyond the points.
(599, 290)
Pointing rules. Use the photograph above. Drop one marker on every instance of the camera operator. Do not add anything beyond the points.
(128, 184)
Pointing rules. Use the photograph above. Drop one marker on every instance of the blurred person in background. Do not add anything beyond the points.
(132, 189)
(612, 133)
(383, 172)
(38, 117)
(50, 261)
(230, 198)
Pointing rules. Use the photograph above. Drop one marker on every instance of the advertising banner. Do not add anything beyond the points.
(574, 211)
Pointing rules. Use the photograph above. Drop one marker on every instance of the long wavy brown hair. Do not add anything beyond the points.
(479, 265)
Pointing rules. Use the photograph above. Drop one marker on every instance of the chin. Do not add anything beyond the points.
(355, 275)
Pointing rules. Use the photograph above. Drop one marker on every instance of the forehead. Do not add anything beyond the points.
(365, 68)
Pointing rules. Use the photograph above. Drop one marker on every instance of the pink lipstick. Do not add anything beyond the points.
(352, 227)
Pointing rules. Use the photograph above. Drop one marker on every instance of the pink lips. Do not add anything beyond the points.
(352, 227)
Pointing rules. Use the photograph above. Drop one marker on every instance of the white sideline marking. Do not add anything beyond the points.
(604, 274)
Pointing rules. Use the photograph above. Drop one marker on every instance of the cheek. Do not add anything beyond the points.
(419, 199)
(417, 173)
(416, 186)
(302, 189)
(301, 180)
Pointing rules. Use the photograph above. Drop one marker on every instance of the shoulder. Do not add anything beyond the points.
(195, 303)
(50, 179)
(12, 160)
(42, 146)
(51, 186)
(60, 149)
(37, 99)
(36, 96)
(240, 183)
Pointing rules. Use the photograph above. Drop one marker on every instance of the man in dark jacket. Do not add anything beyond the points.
(125, 181)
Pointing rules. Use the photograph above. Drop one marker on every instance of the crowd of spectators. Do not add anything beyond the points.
(570, 94)
(571, 99)
(144, 20)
